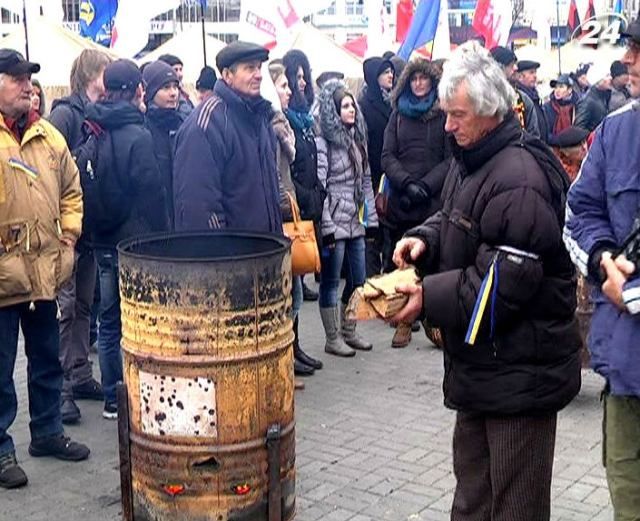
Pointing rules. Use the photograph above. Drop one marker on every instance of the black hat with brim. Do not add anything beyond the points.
(240, 52)
(569, 137)
(563, 79)
(14, 64)
(527, 65)
(503, 55)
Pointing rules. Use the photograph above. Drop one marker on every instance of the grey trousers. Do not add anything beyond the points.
(75, 299)
(503, 467)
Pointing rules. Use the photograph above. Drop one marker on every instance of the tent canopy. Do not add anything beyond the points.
(187, 45)
(53, 47)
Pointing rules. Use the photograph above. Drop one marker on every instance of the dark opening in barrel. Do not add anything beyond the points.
(208, 365)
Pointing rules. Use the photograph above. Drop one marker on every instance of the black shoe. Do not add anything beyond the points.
(300, 369)
(299, 354)
(11, 475)
(415, 327)
(59, 447)
(90, 390)
(110, 411)
(308, 295)
(70, 412)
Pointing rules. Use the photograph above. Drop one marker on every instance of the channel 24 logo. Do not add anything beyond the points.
(604, 28)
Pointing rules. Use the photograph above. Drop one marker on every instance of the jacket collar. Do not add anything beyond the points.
(249, 107)
(32, 127)
(506, 133)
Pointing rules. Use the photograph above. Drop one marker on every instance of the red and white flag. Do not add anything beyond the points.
(492, 19)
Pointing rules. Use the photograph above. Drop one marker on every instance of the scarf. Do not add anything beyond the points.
(386, 96)
(564, 110)
(531, 92)
(411, 106)
(20, 125)
(166, 119)
(299, 120)
(357, 156)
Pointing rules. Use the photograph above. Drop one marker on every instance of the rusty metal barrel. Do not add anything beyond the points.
(208, 371)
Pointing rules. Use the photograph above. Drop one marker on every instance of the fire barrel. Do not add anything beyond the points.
(208, 370)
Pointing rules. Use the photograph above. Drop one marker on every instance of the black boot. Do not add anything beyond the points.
(299, 354)
(300, 369)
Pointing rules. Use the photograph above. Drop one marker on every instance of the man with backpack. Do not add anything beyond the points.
(76, 296)
(40, 221)
(122, 196)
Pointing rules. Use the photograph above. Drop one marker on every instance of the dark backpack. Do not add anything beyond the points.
(106, 197)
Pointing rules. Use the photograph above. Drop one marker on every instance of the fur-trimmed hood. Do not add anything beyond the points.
(331, 126)
(403, 84)
(292, 60)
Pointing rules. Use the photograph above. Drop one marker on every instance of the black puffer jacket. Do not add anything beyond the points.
(376, 112)
(592, 109)
(416, 149)
(163, 125)
(134, 163)
(67, 115)
(497, 197)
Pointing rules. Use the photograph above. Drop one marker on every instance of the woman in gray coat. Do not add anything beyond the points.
(349, 213)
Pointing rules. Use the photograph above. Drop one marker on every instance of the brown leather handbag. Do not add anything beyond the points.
(305, 257)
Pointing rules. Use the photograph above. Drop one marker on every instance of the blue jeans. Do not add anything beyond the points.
(110, 333)
(351, 251)
(296, 295)
(42, 347)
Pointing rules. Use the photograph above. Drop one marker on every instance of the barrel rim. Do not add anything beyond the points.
(284, 245)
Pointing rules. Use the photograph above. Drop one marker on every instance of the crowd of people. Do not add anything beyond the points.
(457, 167)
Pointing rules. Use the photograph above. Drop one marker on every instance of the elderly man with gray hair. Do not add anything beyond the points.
(500, 286)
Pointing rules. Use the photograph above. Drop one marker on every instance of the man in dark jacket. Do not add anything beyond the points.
(523, 107)
(225, 173)
(526, 81)
(375, 103)
(127, 155)
(593, 108)
(163, 119)
(620, 95)
(500, 286)
(76, 297)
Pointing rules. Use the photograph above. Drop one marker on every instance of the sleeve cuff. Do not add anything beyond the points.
(439, 298)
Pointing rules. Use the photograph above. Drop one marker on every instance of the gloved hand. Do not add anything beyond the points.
(417, 192)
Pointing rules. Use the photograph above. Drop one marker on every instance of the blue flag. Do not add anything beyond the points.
(618, 7)
(423, 27)
(96, 19)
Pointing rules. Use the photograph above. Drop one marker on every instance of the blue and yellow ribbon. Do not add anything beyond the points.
(363, 214)
(488, 288)
(23, 167)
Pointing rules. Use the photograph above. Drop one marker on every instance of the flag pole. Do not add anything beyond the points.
(558, 35)
(26, 32)
(203, 3)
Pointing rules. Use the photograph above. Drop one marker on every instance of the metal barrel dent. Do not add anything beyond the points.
(208, 368)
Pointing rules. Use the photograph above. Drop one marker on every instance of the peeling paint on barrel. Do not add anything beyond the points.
(208, 363)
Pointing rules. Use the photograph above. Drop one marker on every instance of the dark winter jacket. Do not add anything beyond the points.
(225, 173)
(304, 169)
(533, 95)
(376, 111)
(67, 115)
(133, 161)
(592, 109)
(619, 98)
(163, 125)
(498, 203)
(416, 149)
(551, 115)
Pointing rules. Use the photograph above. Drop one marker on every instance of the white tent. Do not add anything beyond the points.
(53, 47)
(323, 52)
(187, 45)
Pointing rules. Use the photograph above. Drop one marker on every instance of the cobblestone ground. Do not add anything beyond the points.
(373, 444)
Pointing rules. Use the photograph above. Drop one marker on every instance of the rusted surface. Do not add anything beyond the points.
(208, 364)
(125, 453)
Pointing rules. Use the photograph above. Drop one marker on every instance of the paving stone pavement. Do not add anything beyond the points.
(373, 444)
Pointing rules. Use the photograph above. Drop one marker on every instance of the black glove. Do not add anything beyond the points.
(417, 192)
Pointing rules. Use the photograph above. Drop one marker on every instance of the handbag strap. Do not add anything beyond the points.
(295, 211)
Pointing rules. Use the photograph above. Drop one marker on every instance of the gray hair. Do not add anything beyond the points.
(487, 86)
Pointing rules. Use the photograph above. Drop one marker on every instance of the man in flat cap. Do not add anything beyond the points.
(523, 107)
(225, 173)
(526, 80)
(560, 110)
(602, 212)
(40, 221)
